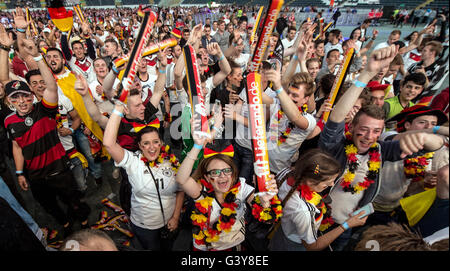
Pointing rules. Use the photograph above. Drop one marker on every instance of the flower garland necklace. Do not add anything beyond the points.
(284, 135)
(315, 199)
(415, 167)
(163, 155)
(204, 234)
(270, 214)
(374, 165)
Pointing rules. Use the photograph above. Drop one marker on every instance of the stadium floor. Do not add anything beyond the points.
(111, 186)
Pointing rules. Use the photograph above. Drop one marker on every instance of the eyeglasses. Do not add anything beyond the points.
(217, 172)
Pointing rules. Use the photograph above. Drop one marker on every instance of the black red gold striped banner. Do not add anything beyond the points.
(142, 39)
(148, 51)
(265, 34)
(340, 78)
(194, 90)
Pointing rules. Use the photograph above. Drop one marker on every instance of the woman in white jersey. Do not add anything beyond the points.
(156, 199)
(305, 212)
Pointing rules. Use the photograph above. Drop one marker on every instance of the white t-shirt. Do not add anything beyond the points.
(296, 219)
(242, 61)
(381, 45)
(328, 47)
(286, 43)
(145, 208)
(237, 233)
(105, 106)
(85, 67)
(344, 203)
(243, 134)
(64, 107)
(280, 155)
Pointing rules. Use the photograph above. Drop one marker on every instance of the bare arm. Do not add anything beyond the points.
(108, 84)
(6, 41)
(378, 60)
(82, 88)
(51, 91)
(225, 69)
(160, 81)
(178, 72)
(110, 136)
(288, 106)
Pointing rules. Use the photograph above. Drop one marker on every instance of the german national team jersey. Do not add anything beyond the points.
(36, 134)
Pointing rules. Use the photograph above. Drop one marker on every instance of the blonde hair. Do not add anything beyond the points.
(303, 78)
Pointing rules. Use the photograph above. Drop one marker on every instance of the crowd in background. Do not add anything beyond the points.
(380, 143)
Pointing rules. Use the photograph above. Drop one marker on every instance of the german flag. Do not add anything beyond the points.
(218, 146)
(139, 126)
(60, 17)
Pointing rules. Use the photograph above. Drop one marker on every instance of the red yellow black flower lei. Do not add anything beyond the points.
(284, 135)
(267, 215)
(202, 232)
(374, 165)
(163, 155)
(415, 167)
(317, 200)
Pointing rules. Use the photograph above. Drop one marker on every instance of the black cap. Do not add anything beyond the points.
(17, 86)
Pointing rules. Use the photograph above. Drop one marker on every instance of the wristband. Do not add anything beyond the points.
(278, 91)
(161, 71)
(436, 128)
(360, 84)
(345, 226)
(114, 69)
(221, 58)
(118, 113)
(20, 30)
(4, 47)
(19, 172)
(295, 57)
(38, 58)
(199, 147)
(70, 128)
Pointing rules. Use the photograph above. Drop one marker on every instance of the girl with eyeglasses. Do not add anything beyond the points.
(218, 217)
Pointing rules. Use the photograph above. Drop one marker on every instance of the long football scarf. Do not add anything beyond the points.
(194, 90)
(141, 40)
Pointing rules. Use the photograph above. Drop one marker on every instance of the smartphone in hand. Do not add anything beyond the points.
(368, 209)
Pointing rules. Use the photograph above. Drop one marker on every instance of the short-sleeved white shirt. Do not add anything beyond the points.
(297, 217)
(280, 155)
(64, 107)
(145, 208)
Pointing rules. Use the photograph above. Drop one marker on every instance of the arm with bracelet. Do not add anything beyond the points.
(187, 183)
(377, 61)
(325, 240)
(110, 135)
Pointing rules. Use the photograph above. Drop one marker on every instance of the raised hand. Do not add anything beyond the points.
(19, 19)
(198, 138)
(381, 58)
(5, 39)
(30, 48)
(213, 48)
(81, 85)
